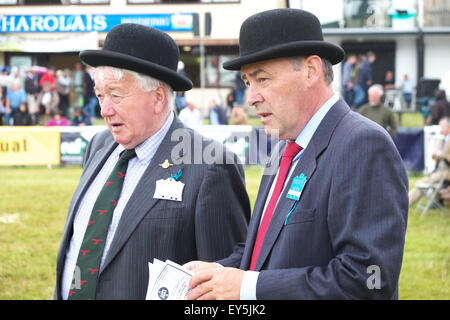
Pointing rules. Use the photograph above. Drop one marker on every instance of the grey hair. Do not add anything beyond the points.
(144, 82)
(327, 68)
(377, 87)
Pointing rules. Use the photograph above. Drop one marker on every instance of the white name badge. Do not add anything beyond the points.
(169, 189)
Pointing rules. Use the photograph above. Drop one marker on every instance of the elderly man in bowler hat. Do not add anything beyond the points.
(330, 223)
(137, 199)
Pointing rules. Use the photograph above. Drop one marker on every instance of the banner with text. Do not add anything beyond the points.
(66, 145)
(92, 22)
(29, 146)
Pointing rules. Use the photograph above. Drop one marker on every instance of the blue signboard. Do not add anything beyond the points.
(92, 22)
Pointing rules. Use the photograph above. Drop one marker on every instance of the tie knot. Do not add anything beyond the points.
(292, 149)
(128, 155)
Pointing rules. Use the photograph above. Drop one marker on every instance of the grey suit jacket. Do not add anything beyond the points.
(346, 235)
(206, 225)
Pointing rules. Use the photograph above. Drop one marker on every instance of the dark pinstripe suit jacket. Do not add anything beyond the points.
(350, 221)
(206, 225)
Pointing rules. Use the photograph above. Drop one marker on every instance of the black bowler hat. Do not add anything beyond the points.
(282, 33)
(142, 49)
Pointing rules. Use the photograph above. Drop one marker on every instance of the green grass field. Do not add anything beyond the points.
(33, 209)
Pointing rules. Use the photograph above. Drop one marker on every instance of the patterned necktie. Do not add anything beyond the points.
(84, 283)
(292, 149)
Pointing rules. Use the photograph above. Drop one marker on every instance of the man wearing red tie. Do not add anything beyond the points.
(330, 223)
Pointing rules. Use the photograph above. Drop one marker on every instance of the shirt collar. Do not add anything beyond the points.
(308, 131)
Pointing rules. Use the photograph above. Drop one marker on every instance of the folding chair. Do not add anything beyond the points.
(430, 197)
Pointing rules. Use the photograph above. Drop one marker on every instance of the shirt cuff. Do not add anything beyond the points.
(248, 285)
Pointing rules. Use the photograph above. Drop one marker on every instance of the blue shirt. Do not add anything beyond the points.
(16, 98)
(213, 117)
(347, 73)
(408, 86)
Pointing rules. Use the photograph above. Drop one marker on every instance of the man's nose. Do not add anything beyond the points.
(253, 96)
(106, 107)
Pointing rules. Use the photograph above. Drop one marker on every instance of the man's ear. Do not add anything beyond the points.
(313, 69)
(160, 99)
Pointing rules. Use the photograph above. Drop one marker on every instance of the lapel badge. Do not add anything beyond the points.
(297, 186)
(166, 164)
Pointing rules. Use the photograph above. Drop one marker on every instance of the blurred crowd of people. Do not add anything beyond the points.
(233, 111)
(46, 96)
(363, 95)
(377, 101)
(357, 78)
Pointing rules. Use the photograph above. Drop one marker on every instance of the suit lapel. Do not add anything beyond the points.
(263, 191)
(307, 165)
(141, 201)
(264, 188)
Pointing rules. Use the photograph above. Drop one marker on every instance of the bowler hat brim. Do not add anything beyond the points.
(96, 58)
(333, 53)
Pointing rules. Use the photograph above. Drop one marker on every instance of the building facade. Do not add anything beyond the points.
(409, 37)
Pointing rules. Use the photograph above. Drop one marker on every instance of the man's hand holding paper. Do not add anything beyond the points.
(167, 281)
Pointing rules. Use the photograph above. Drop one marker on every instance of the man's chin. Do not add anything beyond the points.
(273, 132)
(126, 143)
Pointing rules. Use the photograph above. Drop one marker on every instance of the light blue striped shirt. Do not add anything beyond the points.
(136, 168)
(248, 286)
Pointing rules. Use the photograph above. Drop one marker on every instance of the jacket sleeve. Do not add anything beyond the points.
(234, 260)
(366, 213)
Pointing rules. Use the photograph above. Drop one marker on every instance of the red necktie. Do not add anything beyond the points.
(292, 149)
